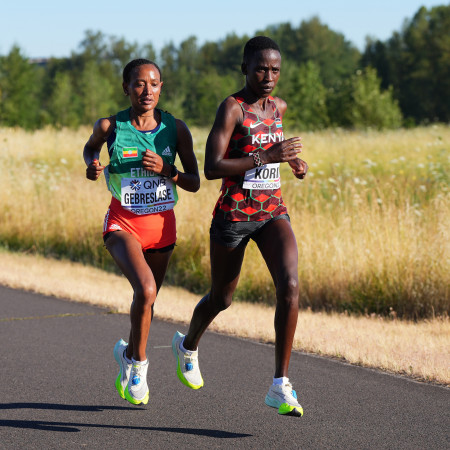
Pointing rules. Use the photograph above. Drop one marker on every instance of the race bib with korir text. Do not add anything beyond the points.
(264, 177)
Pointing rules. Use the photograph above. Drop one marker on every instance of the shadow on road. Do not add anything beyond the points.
(60, 407)
(72, 427)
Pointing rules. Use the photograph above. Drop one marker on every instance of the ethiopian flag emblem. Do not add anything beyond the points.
(129, 152)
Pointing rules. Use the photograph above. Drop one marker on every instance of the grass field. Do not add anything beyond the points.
(371, 218)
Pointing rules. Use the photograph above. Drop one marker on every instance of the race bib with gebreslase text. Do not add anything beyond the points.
(147, 195)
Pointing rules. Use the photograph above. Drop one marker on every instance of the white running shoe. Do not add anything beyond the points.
(124, 367)
(188, 370)
(284, 398)
(136, 391)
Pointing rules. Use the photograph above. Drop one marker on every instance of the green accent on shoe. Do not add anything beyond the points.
(175, 349)
(124, 368)
(133, 401)
(119, 386)
(183, 380)
(289, 410)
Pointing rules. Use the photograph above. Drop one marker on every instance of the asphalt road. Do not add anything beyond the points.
(58, 371)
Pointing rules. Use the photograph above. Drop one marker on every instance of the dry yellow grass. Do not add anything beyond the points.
(419, 350)
(371, 217)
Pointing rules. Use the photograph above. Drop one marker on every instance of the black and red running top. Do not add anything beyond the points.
(237, 203)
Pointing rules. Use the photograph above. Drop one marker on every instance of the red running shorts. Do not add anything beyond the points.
(153, 231)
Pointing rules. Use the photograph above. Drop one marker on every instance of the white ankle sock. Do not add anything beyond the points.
(139, 363)
(280, 381)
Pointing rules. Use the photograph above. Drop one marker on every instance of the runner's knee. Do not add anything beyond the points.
(220, 302)
(145, 294)
(288, 291)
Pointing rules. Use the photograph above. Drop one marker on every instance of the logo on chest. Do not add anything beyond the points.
(267, 138)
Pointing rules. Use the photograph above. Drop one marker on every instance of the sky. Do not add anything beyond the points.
(49, 28)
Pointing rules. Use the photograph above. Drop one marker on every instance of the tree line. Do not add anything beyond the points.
(326, 80)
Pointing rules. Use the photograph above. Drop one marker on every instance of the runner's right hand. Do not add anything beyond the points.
(94, 170)
(282, 151)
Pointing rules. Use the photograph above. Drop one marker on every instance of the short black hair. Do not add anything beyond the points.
(136, 63)
(258, 44)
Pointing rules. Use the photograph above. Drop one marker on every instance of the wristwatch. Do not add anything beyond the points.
(173, 171)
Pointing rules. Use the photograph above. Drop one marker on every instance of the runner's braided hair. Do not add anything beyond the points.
(136, 63)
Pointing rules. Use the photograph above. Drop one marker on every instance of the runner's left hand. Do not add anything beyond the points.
(299, 168)
(152, 161)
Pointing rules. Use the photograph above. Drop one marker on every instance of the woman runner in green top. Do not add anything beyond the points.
(139, 229)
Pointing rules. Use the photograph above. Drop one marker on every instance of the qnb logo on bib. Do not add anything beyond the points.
(265, 177)
(147, 195)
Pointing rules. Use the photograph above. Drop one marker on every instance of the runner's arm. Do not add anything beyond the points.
(228, 116)
(298, 166)
(216, 166)
(188, 180)
(92, 148)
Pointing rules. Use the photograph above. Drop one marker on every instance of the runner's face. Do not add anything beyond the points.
(263, 71)
(144, 87)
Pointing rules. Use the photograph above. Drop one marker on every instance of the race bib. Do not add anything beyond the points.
(264, 177)
(147, 195)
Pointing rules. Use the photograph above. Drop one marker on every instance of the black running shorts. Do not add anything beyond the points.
(237, 234)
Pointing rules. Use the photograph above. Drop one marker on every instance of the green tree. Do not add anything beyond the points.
(209, 55)
(105, 53)
(427, 64)
(20, 84)
(187, 76)
(172, 93)
(94, 46)
(96, 94)
(314, 41)
(120, 52)
(211, 91)
(64, 105)
(302, 89)
(230, 56)
(416, 62)
(369, 105)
